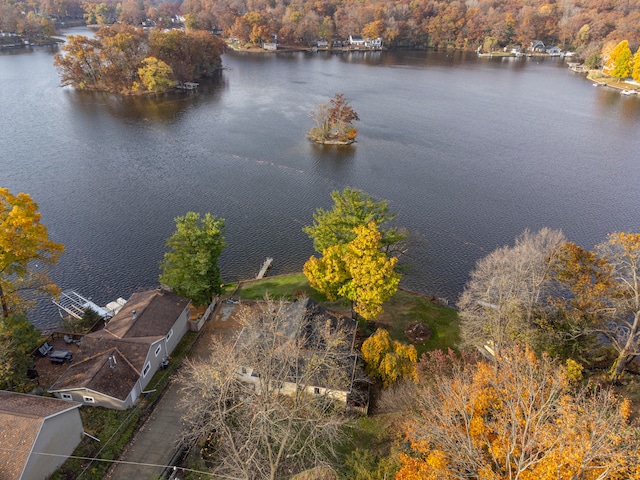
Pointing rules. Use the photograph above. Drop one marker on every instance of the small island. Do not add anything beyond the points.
(129, 60)
(334, 122)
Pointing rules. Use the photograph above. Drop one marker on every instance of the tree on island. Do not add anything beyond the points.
(334, 122)
(190, 267)
(124, 59)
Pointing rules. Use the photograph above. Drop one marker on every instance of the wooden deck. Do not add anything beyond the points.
(265, 266)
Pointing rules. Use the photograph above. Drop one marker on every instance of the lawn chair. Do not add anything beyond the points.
(45, 349)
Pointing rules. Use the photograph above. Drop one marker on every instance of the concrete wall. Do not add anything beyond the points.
(60, 435)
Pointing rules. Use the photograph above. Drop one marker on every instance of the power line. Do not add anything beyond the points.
(125, 462)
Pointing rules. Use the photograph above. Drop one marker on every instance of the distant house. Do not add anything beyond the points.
(270, 46)
(36, 435)
(551, 50)
(375, 43)
(356, 41)
(300, 323)
(536, 46)
(322, 43)
(114, 365)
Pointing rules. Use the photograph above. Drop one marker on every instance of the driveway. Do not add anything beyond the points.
(156, 442)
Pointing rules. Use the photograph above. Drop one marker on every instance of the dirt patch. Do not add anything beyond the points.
(417, 332)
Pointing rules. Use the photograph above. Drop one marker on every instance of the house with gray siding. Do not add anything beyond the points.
(114, 365)
(36, 435)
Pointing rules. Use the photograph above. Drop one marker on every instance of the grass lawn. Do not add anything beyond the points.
(403, 308)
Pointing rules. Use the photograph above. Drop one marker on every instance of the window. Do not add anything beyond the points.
(158, 350)
(88, 399)
(316, 391)
(146, 369)
(66, 396)
(243, 370)
(170, 334)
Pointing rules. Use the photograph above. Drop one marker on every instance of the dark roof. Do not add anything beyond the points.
(127, 338)
(21, 418)
(155, 313)
(98, 373)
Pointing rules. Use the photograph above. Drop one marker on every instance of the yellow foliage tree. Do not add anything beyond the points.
(358, 271)
(516, 417)
(387, 359)
(155, 75)
(24, 243)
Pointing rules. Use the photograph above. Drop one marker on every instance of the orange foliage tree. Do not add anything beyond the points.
(516, 417)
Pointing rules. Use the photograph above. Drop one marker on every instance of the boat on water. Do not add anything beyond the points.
(628, 92)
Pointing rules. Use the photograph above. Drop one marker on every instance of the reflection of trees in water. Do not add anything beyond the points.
(610, 100)
(335, 155)
(165, 107)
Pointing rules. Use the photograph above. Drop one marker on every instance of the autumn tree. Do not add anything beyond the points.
(258, 403)
(334, 121)
(516, 417)
(635, 72)
(352, 208)
(191, 55)
(389, 360)
(507, 287)
(155, 75)
(25, 251)
(190, 267)
(116, 59)
(358, 271)
(619, 62)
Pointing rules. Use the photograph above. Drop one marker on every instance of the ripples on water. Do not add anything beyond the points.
(468, 151)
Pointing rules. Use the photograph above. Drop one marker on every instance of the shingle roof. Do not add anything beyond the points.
(155, 313)
(128, 338)
(98, 373)
(21, 418)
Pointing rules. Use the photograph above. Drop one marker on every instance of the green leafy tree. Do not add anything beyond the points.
(351, 208)
(24, 248)
(389, 360)
(358, 271)
(155, 75)
(18, 338)
(190, 266)
(619, 63)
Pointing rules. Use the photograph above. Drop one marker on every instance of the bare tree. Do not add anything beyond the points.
(267, 404)
(622, 324)
(507, 286)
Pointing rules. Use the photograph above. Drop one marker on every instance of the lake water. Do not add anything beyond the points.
(469, 151)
